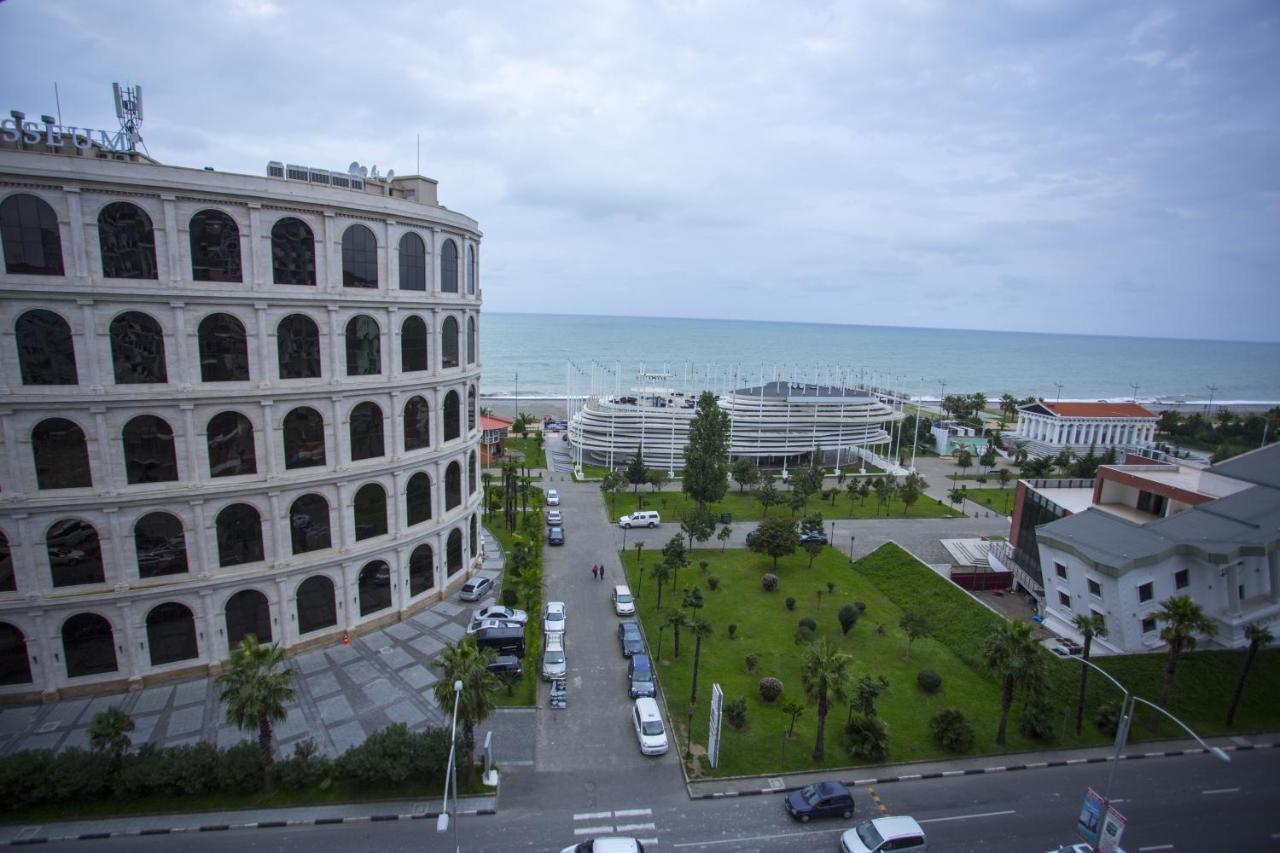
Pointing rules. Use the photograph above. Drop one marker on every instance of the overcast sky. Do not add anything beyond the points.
(1094, 167)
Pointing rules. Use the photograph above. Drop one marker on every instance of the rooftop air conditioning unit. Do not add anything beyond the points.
(318, 176)
(295, 173)
(275, 169)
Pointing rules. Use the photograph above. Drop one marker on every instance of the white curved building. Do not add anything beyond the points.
(231, 404)
(774, 424)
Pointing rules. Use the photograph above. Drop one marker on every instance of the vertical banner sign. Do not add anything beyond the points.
(1112, 829)
(713, 736)
(1089, 826)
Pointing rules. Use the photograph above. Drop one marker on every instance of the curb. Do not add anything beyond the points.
(979, 771)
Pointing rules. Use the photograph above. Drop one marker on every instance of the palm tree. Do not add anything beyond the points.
(677, 620)
(255, 693)
(1012, 656)
(1258, 636)
(1185, 618)
(467, 663)
(661, 573)
(109, 733)
(528, 587)
(1093, 625)
(697, 628)
(825, 672)
(1008, 407)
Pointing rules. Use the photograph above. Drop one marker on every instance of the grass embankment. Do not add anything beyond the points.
(743, 506)
(999, 500)
(525, 692)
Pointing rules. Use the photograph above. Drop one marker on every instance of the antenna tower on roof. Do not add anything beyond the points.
(129, 111)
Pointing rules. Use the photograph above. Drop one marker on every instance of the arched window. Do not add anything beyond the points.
(422, 570)
(471, 270)
(472, 474)
(137, 349)
(298, 347)
(413, 263)
(161, 547)
(149, 456)
(215, 247)
(452, 416)
(127, 240)
(475, 538)
(8, 582)
(30, 234)
(317, 604)
(224, 351)
(449, 343)
(303, 438)
(15, 665)
(61, 455)
(230, 439)
(309, 524)
(472, 409)
(171, 634)
(452, 486)
(375, 587)
(88, 645)
(75, 555)
(248, 612)
(46, 350)
(417, 499)
(293, 252)
(370, 511)
(366, 432)
(471, 340)
(359, 257)
(239, 536)
(413, 345)
(454, 552)
(417, 424)
(449, 267)
(364, 347)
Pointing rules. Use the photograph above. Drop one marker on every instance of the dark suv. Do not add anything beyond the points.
(631, 639)
(822, 799)
(506, 663)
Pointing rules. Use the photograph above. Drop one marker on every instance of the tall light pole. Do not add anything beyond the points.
(1212, 388)
(451, 769)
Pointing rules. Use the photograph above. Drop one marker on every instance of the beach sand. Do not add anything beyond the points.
(539, 407)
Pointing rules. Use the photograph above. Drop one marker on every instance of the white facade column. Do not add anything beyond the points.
(397, 426)
(88, 366)
(173, 253)
(178, 355)
(257, 266)
(388, 259)
(115, 574)
(274, 468)
(265, 357)
(190, 440)
(76, 227)
(279, 529)
(131, 642)
(337, 346)
(110, 467)
(1273, 575)
(206, 544)
(329, 268)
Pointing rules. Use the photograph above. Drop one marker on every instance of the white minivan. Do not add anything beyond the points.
(624, 604)
(640, 518)
(650, 731)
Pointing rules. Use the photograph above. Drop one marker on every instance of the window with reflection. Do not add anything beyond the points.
(215, 247)
(370, 511)
(293, 252)
(161, 545)
(239, 535)
(366, 432)
(127, 241)
(88, 645)
(303, 438)
(248, 612)
(413, 262)
(471, 270)
(449, 267)
(46, 350)
(471, 340)
(453, 551)
(230, 440)
(137, 349)
(61, 455)
(15, 664)
(449, 342)
(375, 587)
(359, 257)
(417, 424)
(413, 345)
(472, 408)
(422, 570)
(29, 231)
(417, 499)
(452, 486)
(298, 347)
(317, 604)
(75, 554)
(309, 524)
(452, 416)
(224, 349)
(171, 633)
(364, 347)
(149, 455)
(8, 582)
(475, 538)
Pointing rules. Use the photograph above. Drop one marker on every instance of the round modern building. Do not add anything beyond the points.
(231, 405)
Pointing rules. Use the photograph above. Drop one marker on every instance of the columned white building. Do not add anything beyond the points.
(1048, 428)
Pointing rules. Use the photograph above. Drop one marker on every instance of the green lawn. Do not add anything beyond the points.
(744, 507)
(534, 455)
(526, 690)
(1000, 500)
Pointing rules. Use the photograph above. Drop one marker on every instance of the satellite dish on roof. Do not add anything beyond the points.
(391, 173)
(354, 169)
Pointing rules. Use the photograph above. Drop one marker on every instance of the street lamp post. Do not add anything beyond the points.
(451, 769)
(851, 538)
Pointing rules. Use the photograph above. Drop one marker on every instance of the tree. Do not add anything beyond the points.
(866, 738)
(637, 475)
(825, 674)
(964, 459)
(988, 458)
(864, 491)
(675, 556)
(1183, 619)
(796, 501)
(776, 537)
(657, 478)
(767, 494)
(723, 536)
(916, 626)
(528, 587)
(853, 489)
(795, 709)
(913, 486)
(884, 490)
(468, 663)
(1063, 460)
(1004, 477)
(676, 620)
(692, 599)
(699, 629)
(255, 688)
(661, 573)
(612, 483)
(865, 693)
(811, 524)
(1258, 637)
(1008, 408)
(109, 732)
(746, 473)
(1012, 655)
(706, 455)
(697, 522)
(848, 616)
(1093, 625)
(813, 548)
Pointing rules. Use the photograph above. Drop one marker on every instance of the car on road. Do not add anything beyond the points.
(553, 616)
(624, 604)
(885, 833)
(553, 661)
(476, 588)
(650, 731)
(607, 844)
(752, 536)
(553, 497)
(821, 799)
(506, 663)
(497, 611)
(640, 677)
(555, 536)
(481, 624)
(631, 639)
(554, 518)
(1063, 647)
(640, 518)
(811, 538)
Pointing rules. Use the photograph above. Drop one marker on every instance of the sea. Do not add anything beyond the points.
(559, 355)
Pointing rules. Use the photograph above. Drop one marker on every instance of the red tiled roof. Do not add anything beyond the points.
(493, 422)
(1098, 410)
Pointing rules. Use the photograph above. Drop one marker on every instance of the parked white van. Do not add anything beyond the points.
(624, 604)
(650, 731)
(640, 518)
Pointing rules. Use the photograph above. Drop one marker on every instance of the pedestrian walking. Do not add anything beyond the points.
(602, 571)
(593, 572)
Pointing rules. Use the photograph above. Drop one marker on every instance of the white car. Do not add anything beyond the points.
(884, 833)
(554, 519)
(607, 844)
(553, 662)
(640, 518)
(497, 611)
(553, 617)
(650, 731)
(624, 604)
(553, 497)
(481, 624)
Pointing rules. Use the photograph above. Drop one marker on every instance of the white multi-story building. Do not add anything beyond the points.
(1046, 429)
(230, 405)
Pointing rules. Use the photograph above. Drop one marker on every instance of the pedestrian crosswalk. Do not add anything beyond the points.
(617, 822)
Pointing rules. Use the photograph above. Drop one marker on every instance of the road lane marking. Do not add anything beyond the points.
(634, 827)
(1155, 846)
(966, 816)
(648, 842)
(592, 815)
(757, 838)
(876, 799)
(633, 813)
(593, 830)
(1221, 791)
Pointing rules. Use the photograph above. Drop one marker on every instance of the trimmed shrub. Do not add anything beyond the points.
(769, 582)
(929, 681)
(751, 661)
(305, 768)
(240, 770)
(951, 731)
(770, 689)
(735, 712)
(791, 602)
(713, 581)
(806, 622)
(862, 608)
(804, 635)
(733, 629)
(1107, 718)
(848, 617)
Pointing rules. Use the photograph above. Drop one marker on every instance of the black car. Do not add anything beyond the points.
(822, 799)
(807, 538)
(555, 536)
(752, 535)
(506, 663)
(631, 639)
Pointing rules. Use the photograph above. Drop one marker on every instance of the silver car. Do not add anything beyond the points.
(553, 661)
